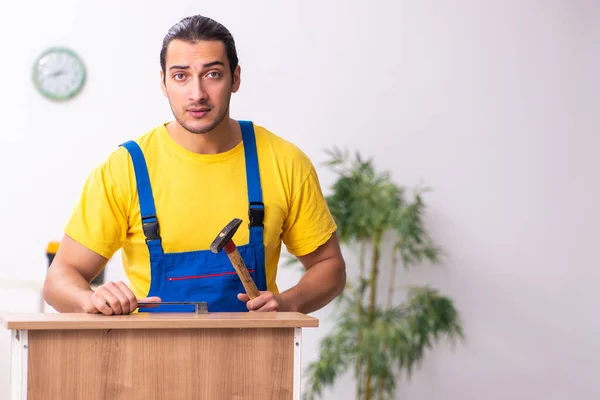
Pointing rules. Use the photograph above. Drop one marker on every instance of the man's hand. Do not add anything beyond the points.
(267, 301)
(324, 279)
(113, 298)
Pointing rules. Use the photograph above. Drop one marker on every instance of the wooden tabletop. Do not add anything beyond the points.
(53, 321)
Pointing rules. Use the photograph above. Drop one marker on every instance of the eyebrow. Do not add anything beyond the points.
(207, 65)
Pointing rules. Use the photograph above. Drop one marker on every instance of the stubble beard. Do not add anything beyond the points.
(201, 130)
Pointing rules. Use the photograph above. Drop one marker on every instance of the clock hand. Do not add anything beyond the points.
(55, 74)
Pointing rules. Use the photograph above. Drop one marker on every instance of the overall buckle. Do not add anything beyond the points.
(256, 215)
(151, 228)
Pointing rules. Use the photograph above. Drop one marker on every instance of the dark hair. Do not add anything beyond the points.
(198, 27)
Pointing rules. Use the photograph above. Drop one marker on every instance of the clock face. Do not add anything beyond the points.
(59, 74)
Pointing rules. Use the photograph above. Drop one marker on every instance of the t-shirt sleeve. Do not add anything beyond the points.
(99, 220)
(309, 223)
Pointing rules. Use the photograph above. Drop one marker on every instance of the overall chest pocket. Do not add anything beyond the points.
(205, 276)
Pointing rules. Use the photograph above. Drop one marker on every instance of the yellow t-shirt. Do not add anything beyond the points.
(195, 196)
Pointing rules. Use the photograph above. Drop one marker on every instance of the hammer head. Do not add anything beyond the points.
(225, 235)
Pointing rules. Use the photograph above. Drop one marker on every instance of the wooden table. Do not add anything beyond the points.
(156, 356)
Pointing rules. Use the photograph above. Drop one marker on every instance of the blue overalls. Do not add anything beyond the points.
(202, 275)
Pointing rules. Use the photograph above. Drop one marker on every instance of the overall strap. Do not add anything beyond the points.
(149, 221)
(256, 211)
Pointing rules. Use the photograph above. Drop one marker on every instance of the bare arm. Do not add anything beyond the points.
(324, 280)
(67, 287)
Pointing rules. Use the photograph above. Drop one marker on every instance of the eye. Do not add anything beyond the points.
(179, 76)
(214, 74)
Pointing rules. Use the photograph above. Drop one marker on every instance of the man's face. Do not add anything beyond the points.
(198, 83)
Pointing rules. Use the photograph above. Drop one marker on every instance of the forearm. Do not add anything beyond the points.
(65, 289)
(322, 283)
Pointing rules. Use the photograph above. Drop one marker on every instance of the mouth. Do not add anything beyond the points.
(198, 112)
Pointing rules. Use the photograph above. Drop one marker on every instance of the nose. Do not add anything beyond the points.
(197, 92)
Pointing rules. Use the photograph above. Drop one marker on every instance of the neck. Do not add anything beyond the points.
(222, 138)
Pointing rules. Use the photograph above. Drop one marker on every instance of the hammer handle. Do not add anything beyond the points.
(242, 271)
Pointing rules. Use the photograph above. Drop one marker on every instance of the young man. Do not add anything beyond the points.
(163, 197)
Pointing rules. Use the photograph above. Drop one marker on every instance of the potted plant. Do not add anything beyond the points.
(374, 335)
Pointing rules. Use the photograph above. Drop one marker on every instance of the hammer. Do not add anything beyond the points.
(224, 240)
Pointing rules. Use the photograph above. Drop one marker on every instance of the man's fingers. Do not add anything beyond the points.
(151, 299)
(128, 300)
(258, 302)
(100, 304)
(123, 298)
(270, 305)
(263, 303)
(110, 298)
(115, 298)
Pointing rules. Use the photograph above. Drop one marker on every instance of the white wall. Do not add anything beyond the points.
(490, 103)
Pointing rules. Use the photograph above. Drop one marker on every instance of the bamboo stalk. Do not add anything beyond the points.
(380, 387)
(372, 303)
(358, 366)
(363, 247)
(392, 284)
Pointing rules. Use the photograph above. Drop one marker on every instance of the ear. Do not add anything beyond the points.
(236, 79)
(162, 83)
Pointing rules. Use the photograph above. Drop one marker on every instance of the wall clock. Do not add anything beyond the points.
(59, 73)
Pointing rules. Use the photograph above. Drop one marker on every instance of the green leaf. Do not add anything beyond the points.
(370, 339)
